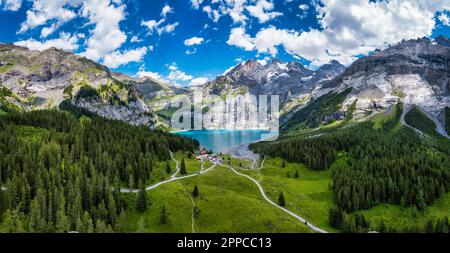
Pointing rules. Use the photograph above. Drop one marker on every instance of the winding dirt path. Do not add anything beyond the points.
(172, 179)
(439, 126)
(261, 166)
(261, 190)
(177, 168)
(193, 206)
(406, 109)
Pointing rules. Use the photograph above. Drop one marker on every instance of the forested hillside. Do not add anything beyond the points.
(388, 163)
(6, 104)
(323, 110)
(418, 120)
(58, 169)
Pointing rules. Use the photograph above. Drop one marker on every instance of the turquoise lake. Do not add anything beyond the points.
(223, 140)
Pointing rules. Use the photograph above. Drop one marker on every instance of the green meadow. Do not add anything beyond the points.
(226, 203)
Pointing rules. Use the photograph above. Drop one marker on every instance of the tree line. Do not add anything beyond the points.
(357, 223)
(61, 173)
(390, 164)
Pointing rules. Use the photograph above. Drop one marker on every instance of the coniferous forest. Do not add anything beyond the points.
(387, 165)
(59, 171)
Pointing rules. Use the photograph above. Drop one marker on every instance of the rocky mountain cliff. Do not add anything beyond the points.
(294, 83)
(43, 79)
(286, 79)
(415, 72)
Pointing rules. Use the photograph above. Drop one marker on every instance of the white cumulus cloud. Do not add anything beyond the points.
(166, 10)
(212, 13)
(106, 37)
(444, 18)
(65, 42)
(349, 28)
(117, 59)
(142, 73)
(199, 81)
(160, 26)
(263, 11)
(194, 41)
(178, 75)
(239, 38)
(10, 5)
(44, 11)
(196, 4)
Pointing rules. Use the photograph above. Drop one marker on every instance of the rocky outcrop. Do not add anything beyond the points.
(43, 79)
(415, 72)
(135, 112)
(286, 79)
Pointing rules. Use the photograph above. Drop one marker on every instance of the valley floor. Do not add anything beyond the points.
(230, 203)
(226, 203)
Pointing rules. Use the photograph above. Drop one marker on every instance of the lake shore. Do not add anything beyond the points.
(243, 152)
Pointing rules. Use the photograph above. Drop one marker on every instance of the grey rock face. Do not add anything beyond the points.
(48, 77)
(275, 78)
(415, 72)
(135, 113)
(295, 84)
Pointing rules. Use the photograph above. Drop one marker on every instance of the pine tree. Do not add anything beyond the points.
(13, 222)
(168, 169)
(195, 192)
(101, 227)
(37, 223)
(87, 223)
(141, 204)
(429, 227)
(112, 209)
(445, 225)
(283, 165)
(382, 227)
(2, 200)
(122, 224)
(296, 174)
(62, 222)
(281, 200)
(131, 182)
(164, 218)
(183, 167)
(79, 226)
(421, 201)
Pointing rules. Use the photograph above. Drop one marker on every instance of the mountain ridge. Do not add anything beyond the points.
(44, 79)
(415, 72)
(412, 71)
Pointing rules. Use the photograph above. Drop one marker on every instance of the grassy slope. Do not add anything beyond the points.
(314, 113)
(308, 195)
(396, 217)
(418, 120)
(6, 104)
(404, 218)
(227, 203)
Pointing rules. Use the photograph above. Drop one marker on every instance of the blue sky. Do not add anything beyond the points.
(191, 41)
